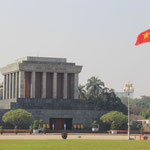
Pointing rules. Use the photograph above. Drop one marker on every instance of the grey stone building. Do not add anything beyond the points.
(48, 88)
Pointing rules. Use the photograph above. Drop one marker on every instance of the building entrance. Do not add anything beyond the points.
(61, 123)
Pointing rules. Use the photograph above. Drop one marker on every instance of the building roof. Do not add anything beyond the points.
(41, 59)
(41, 64)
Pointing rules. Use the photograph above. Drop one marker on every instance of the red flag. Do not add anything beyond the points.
(143, 37)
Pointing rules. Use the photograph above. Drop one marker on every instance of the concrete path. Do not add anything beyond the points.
(70, 136)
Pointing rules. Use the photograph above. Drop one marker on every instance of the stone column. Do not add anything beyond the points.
(33, 85)
(65, 86)
(76, 80)
(16, 85)
(21, 84)
(7, 86)
(4, 87)
(55, 85)
(10, 86)
(13, 85)
(44, 85)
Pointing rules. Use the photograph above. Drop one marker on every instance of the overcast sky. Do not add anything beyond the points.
(98, 34)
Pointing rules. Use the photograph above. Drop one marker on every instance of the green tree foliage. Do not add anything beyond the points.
(138, 106)
(103, 97)
(82, 91)
(135, 110)
(139, 126)
(143, 102)
(111, 102)
(35, 124)
(19, 117)
(94, 87)
(116, 120)
(95, 124)
(145, 113)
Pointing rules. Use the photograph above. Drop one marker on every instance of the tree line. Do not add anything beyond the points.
(139, 106)
(94, 91)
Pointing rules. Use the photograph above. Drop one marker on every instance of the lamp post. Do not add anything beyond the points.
(129, 89)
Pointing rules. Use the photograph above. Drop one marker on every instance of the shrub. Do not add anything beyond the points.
(95, 124)
(35, 124)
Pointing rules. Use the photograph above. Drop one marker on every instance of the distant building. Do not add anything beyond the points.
(145, 123)
(123, 94)
(134, 118)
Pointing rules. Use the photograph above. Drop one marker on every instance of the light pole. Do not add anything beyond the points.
(129, 89)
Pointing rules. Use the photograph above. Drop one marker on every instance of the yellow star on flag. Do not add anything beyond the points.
(146, 35)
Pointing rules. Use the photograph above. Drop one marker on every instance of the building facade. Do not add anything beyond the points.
(37, 77)
(124, 94)
(48, 88)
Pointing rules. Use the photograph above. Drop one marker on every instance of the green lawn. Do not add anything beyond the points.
(73, 145)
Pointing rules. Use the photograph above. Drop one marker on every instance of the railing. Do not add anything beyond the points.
(14, 130)
(142, 133)
(131, 132)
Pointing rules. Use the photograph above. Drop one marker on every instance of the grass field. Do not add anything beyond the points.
(73, 145)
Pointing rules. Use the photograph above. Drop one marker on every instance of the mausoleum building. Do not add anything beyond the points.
(48, 88)
(37, 77)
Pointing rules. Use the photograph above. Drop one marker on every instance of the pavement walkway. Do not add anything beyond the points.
(70, 136)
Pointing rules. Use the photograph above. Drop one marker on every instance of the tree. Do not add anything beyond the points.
(114, 119)
(112, 93)
(135, 110)
(140, 127)
(102, 97)
(82, 91)
(94, 87)
(138, 106)
(145, 113)
(111, 102)
(109, 98)
(143, 102)
(19, 117)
